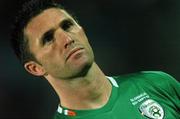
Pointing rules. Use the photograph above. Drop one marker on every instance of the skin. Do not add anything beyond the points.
(66, 60)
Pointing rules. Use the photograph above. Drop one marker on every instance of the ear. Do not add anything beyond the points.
(34, 68)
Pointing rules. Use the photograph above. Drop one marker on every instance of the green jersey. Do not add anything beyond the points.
(142, 95)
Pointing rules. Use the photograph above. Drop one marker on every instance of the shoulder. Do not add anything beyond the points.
(158, 79)
(154, 76)
(157, 74)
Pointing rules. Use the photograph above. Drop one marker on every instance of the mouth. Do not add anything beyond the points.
(73, 51)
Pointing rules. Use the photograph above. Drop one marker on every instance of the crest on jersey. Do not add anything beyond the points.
(151, 109)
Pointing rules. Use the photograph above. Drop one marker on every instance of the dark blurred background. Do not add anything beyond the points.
(126, 35)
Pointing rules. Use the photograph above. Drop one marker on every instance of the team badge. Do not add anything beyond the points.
(151, 109)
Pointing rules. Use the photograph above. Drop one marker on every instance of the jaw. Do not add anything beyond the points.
(80, 68)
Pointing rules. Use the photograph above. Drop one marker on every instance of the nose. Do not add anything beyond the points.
(65, 38)
(68, 42)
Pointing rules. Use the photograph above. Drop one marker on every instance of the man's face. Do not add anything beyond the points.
(59, 44)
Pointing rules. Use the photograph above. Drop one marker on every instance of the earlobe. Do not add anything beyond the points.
(34, 68)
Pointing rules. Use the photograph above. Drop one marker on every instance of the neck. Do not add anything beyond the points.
(88, 92)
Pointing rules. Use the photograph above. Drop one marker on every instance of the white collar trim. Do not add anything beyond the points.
(113, 81)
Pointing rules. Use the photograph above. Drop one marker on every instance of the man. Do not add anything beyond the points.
(51, 44)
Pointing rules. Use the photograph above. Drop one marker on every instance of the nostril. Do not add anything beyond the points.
(72, 41)
(68, 43)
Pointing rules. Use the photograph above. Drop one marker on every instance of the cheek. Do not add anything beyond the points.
(52, 62)
(48, 52)
(47, 56)
(82, 37)
(84, 40)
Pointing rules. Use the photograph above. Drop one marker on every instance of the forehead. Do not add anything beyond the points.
(49, 18)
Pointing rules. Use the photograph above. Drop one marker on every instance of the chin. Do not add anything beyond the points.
(80, 64)
(80, 70)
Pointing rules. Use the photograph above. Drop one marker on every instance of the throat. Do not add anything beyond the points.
(89, 95)
(91, 91)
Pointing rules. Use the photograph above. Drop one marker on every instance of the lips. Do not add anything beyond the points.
(74, 50)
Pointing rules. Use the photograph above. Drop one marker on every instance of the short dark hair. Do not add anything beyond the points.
(29, 10)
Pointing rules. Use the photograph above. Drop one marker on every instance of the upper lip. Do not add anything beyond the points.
(73, 51)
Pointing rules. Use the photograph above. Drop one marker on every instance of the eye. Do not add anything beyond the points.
(66, 25)
(48, 37)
